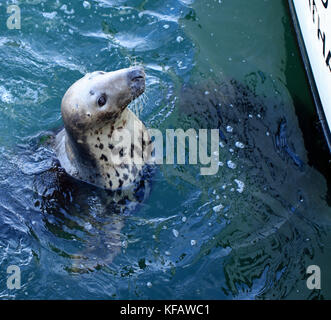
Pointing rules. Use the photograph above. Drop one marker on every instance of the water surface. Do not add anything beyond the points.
(180, 243)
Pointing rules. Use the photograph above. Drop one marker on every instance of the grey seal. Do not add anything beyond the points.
(103, 142)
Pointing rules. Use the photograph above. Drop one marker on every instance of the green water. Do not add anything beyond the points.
(175, 245)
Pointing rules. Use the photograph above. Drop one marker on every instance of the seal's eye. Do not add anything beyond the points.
(102, 100)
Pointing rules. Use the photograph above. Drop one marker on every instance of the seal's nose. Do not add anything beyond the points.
(136, 74)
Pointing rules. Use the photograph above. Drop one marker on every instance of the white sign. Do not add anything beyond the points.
(314, 17)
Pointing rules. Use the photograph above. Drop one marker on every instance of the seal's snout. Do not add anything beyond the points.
(136, 74)
(136, 78)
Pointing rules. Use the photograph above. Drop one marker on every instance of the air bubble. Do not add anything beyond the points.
(86, 5)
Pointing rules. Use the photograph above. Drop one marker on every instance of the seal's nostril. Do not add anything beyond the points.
(136, 74)
(138, 78)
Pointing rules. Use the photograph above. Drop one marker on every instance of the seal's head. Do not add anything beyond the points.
(100, 97)
(94, 111)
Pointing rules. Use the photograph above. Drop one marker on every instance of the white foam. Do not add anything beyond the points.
(5, 95)
(49, 15)
(218, 208)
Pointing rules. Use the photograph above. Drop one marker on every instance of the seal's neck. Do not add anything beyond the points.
(86, 151)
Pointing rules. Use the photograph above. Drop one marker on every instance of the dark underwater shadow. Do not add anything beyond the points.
(277, 225)
(84, 220)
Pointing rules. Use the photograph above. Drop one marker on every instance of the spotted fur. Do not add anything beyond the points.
(88, 145)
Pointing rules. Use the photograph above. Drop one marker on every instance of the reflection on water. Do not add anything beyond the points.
(248, 232)
(272, 224)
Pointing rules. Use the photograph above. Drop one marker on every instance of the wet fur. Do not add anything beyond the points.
(86, 147)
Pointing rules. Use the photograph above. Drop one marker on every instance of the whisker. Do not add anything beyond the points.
(141, 106)
(130, 60)
(136, 107)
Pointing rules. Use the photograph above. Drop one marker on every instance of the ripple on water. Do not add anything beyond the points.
(233, 235)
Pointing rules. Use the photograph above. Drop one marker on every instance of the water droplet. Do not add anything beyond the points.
(241, 185)
(179, 39)
(229, 129)
(231, 165)
(86, 5)
(239, 145)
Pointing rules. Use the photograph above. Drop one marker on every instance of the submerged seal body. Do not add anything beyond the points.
(103, 143)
